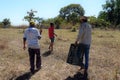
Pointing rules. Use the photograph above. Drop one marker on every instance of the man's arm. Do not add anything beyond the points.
(80, 34)
(38, 34)
(40, 31)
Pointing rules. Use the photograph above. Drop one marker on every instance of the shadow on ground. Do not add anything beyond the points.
(25, 76)
(46, 53)
(78, 76)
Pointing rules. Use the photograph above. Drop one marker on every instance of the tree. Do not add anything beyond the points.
(71, 13)
(117, 12)
(46, 22)
(39, 20)
(98, 22)
(58, 20)
(102, 15)
(111, 12)
(31, 16)
(93, 21)
(0, 24)
(109, 8)
(6, 22)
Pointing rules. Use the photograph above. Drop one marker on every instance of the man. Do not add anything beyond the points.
(32, 35)
(51, 36)
(84, 40)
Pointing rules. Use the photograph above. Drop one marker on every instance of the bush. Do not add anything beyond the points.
(118, 26)
(74, 29)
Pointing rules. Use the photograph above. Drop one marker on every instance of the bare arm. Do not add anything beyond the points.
(55, 34)
(24, 43)
(40, 31)
(80, 34)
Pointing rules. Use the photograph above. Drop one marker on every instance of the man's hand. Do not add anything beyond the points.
(40, 31)
(76, 42)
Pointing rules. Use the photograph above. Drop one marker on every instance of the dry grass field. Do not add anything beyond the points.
(104, 56)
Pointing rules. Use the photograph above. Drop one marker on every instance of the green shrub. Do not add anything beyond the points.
(74, 29)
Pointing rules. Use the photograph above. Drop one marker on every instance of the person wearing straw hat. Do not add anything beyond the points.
(32, 35)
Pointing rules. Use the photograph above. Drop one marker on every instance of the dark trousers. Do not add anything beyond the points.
(34, 53)
(83, 52)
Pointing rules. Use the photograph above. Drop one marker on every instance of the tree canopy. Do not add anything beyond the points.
(6, 22)
(31, 17)
(72, 13)
(111, 12)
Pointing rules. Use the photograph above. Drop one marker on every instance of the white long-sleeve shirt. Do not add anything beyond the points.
(84, 34)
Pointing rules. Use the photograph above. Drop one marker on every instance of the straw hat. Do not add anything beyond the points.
(32, 23)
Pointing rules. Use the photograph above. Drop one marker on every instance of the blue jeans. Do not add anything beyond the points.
(83, 52)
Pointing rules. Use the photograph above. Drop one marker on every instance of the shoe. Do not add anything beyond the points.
(32, 72)
(38, 68)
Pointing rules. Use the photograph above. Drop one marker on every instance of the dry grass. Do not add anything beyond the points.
(104, 56)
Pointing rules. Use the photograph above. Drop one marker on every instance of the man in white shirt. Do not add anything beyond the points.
(84, 41)
(32, 35)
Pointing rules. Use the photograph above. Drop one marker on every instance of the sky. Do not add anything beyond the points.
(15, 10)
